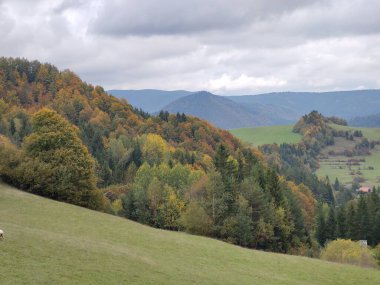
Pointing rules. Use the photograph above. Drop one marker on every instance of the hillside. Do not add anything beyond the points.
(332, 162)
(70, 141)
(218, 110)
(268, 109)
(87, 247)
(267, 135)
(150, 100)
(371, 121)
(362, 168)
(345, 104)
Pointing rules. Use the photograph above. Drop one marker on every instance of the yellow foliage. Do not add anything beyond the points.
(348, 251)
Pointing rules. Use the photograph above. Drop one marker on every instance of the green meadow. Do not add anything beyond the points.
(267, 135)
(367, 167)
(48, 242)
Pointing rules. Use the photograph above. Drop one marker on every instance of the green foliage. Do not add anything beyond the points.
(57, 164)
(195, 220)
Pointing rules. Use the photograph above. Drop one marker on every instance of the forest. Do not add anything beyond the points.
(67, 140)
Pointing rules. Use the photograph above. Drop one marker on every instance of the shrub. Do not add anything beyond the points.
(348, 251)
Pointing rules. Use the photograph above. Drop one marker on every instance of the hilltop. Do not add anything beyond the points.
(88, 247)
(150, 100)
(218, 110)
(279, 108)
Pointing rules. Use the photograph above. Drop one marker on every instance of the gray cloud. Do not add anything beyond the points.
(228, 47)
(152, 17)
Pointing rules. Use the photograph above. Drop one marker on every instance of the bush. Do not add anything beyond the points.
(348, 251)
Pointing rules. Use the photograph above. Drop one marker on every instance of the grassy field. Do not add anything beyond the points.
(267, 135)
(341, 166)
(48, 242)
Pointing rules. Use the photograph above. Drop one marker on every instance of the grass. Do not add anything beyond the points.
(48, 242)
(339, 166)
(267, 135)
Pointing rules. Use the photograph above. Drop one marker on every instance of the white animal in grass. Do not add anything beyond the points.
(1, 234)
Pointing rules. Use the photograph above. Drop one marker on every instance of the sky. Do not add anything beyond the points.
(226, 47)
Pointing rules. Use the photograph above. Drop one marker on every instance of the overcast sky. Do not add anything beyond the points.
(224, 46)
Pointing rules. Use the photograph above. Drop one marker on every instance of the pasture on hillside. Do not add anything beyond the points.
(49, 242)
(363, 168)
(267, 135)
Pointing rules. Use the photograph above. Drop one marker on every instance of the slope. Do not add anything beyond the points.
(362, 168)
(345, 104)
(267, 135)
(218, 110)
(48, 242)
(150, 100)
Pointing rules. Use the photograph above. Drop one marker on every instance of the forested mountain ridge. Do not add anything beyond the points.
(218, 110)
(70, 141)
(150, 100)
(279, 108)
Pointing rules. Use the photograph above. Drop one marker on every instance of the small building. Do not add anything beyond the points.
(364, 190)
(363, 243)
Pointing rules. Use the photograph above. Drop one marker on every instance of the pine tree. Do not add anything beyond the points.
(362, 219)
(320, 225)
(351, 222)
(336, 184)
(342, 226)
(331, 225)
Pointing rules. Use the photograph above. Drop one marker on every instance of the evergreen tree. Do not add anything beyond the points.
(320, 225)
(336, 184)
(331, 225)
(342, 226)
(362, 220)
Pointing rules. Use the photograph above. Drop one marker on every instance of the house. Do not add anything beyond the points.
(364, 190)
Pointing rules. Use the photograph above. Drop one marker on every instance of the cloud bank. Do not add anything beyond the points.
(227, 47)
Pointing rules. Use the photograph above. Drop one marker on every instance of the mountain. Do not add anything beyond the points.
(266, 109)
(150, 100)
(220, 111)
(88, 247)
(345, 104)
(371, 121)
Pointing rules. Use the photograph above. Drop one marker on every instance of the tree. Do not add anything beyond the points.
(154, 149)
(331, 225)
(336, 184)
(320, 225)
(341, 223)
(362, 222)
(57, 164)
(195, 220)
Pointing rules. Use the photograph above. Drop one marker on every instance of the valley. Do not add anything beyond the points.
(332, 163)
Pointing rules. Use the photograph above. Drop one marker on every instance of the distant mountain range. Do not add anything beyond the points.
(256, 110)
(371, 121)
(221, 111)
(150, 100)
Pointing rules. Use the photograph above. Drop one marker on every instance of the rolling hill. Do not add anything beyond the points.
(335, 166)
(264, 109)
(49, 242)
(218, 110)
(344, 104)
(371, 121)
(363, 167)
(150, 100)
(267, 135)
